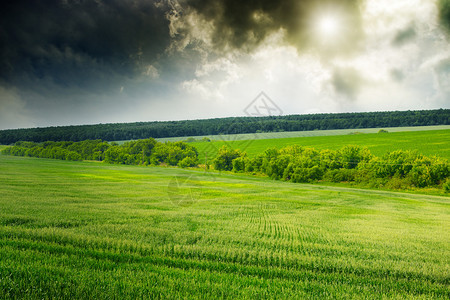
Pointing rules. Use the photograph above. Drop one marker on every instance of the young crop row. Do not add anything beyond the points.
(89, 230)
(375, 272)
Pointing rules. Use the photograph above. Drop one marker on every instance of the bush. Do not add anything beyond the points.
(7, 151)
(255, 164)
(307, 174)
(398, 183)
(446, 185)
(275, 168)
(114, 155)
(396, 163)
(351, 156)
(329, 159)
(340, 175)
(188, 162)
(172, 153)
(271, 153)
(225, 157)
(72, 155)
(190, 140)
(429, 171)
(240, 163)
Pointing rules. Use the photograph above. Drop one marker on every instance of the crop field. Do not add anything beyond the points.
(429, 143)
(94, 230)
(294, 134)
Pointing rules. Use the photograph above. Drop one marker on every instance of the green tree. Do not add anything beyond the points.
(225, 157)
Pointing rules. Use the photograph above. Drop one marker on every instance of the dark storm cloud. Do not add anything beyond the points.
(87, 44)
(95, 45)
(244, 24)
(347, 82)
(444, 13)
(404, 36)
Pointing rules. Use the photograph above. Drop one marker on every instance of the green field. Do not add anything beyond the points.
(294, 134)
(429, 143)
(93, 230)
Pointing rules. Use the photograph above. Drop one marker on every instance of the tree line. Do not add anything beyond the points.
(238, 125)
(397, 170)
(141, 152)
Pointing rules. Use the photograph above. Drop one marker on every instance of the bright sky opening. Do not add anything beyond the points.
(328, 26)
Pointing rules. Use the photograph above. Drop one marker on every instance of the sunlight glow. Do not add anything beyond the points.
(328, 26)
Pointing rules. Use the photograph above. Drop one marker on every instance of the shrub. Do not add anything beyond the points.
(340, 175)
(271, 153)
(351, 156)
(446, 185)
(289, 171)
(240, 163)
(255, 164)
(172, 153)
(225, 157)
(329, 159)
(397, 163)
(307, 174)
(294, 150)
(72, 155)
(275, 168)
(429, 171)
(398, 183)
(190, 140)
(114, 155)
(7, 151)
(188, 162)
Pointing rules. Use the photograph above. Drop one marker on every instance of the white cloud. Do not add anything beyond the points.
(151, 72)
(381, 75)
(13, 113)
(204, 89)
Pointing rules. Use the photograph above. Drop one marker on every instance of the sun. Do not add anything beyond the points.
(328, 26)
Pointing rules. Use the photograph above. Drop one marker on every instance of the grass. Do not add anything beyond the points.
(295, 134)
(93, 230)
(429, 143)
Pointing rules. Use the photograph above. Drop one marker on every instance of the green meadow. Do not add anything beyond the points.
(100, 231)
(295, 134)
(429, 143)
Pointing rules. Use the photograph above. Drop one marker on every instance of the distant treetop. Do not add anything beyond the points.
(235, 125)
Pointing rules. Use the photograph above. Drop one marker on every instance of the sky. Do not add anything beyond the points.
(70, 62)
